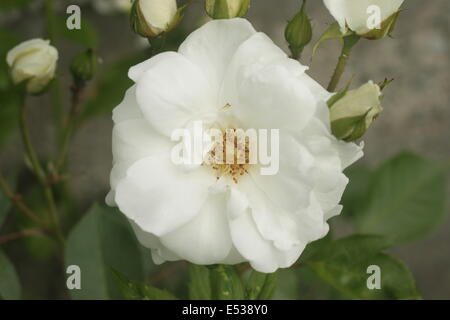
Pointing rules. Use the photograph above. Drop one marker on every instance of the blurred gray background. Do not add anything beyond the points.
(416, 116)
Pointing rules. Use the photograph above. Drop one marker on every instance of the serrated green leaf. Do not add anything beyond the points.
(102, 240)
(407, 198)
(225, 283)
(9, 281)
(132, 290)
(199, 283)
(344, 263)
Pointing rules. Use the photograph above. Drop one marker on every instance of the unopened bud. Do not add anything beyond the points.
(33, 62)
(298, 32)
(83, 67)
(227, 9)
(354, 112)
(150, 18)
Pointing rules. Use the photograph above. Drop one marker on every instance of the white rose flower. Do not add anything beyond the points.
(112, 6)
(354, 13)
(185, 212)
(33, 60)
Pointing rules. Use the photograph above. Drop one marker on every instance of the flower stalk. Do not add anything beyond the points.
(39, 172)
(349, 43)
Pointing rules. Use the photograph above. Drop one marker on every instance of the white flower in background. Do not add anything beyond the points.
(153, 17)
(33, 61)
(355, 14)
(112, 6)
(185, 212)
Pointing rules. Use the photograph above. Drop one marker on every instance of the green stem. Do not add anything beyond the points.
(349, 43)
(39, 171)
(55, 88)
(49, 10)
(70, 126)
(15, 199)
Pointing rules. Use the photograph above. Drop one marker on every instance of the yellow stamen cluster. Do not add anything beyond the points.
(217, 157)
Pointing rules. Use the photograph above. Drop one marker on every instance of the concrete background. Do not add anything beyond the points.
(416, 116)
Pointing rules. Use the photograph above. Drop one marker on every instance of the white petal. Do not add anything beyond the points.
(173, 92)
(256, 52)
(128, 109)
(159, 196)
(160, 254)
(289, 188)
(135, 139)
(212, 46)
(274, 223)
(25, 48)
(262, 255)
(132, 140)
(285, 104)
(205, 239)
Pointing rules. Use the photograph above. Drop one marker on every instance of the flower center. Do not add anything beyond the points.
(229, 155)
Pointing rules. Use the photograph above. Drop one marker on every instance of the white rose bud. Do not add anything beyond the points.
(227, 9)
(372, 19)
(33, 61)
(353, 114)
(150, 18)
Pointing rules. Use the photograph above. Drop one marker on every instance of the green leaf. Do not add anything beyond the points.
(332, 32)
(351, 248)
(102, 240)
(261, 286)
(225, 283)
(9, 281)
(199, 283)
(407, 198)
(132, 290)
(355, 196)
(343, 265)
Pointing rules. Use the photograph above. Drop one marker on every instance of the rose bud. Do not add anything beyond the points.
(227, 9)
(83, 67)
(354, 112)
(371, 19)
(150, 18)
(298, 32)
(33, 61)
